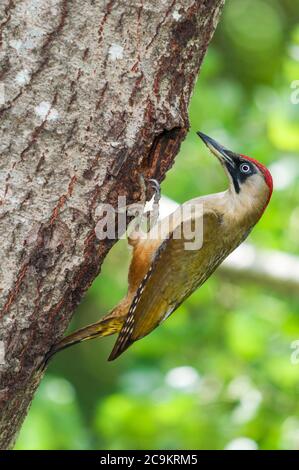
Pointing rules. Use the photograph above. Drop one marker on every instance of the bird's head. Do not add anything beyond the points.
(250, 181)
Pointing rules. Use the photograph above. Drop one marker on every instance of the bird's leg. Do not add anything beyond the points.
(150, 217)
(154, 213)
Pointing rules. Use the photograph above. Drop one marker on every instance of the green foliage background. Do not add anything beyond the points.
(219, 369)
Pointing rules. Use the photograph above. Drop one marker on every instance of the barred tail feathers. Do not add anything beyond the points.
(110, 324)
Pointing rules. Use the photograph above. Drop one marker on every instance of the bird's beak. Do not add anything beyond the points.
(224, 155)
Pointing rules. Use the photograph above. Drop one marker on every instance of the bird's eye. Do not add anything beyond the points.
(245, 168)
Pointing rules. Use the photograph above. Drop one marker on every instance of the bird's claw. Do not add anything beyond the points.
(156, 186)
(149, 217)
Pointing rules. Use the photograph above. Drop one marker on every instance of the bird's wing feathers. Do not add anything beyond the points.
(174, 273)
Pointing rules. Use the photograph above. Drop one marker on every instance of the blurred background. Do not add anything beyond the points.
(218, 374)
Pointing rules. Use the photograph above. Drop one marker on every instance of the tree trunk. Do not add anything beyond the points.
(92, 93)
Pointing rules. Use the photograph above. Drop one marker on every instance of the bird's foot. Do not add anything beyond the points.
(154, 213)
(155, 185)
(151, 216)
(144, 221)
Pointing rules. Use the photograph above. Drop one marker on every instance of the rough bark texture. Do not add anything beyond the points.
(93, 93)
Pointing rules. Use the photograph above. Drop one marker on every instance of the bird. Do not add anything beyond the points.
(168, 265)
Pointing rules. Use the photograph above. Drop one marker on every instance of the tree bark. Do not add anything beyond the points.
(92, 93)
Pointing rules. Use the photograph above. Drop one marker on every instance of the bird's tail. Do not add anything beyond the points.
(108, 325)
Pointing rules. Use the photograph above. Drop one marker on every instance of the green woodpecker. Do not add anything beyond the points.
(165, 269)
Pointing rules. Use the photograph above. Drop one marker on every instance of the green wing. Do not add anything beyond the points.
(174, 274)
